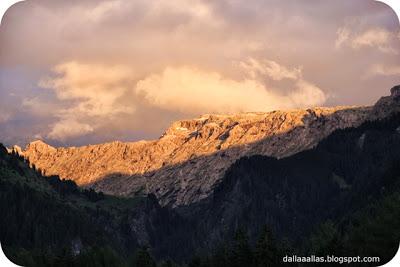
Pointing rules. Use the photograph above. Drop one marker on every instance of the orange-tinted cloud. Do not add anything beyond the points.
(187, 89)
(95, 91)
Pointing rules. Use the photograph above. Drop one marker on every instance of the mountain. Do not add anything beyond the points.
(192, 155)
(339, 197)
(349, 170)
(46, 221)
(185, 164)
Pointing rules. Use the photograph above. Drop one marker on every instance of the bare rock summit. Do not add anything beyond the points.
(189, 159)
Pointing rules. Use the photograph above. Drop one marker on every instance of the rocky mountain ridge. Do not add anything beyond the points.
(189, 159)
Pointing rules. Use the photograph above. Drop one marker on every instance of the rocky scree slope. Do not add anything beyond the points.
(189, 159)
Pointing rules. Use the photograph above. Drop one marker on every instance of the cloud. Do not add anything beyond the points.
(91, 94)
(76, 80)
(114, 65)
(39, 107)
(306, 94)
(374, 38)
(4, 117)
(102, 10)
(343, 35)
(269, 68)
(68, 128)
(188, 89)
(384, 70)
(377, 37)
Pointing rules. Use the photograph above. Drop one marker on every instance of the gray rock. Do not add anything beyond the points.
(395, 91)
(189, 159)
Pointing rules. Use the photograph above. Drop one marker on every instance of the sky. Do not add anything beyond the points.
(92, 71)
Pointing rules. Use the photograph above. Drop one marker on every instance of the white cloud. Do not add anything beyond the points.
(343, 35)
(188, 89)
(374, 38)
(69, 128)
(269, 68)
(90, 95)
(92, 92)
(384, 70)
(306, 94)
(87, 81)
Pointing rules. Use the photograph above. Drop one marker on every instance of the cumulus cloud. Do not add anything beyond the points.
(92, 93)
(102, 83)
(373, 38)
(88, 96)
(189, 89)
(68, 128)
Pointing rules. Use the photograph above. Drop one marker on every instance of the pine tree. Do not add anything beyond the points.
(241, 254)
(266, 252)
(220, 257)
(143, 258)
(195, 262)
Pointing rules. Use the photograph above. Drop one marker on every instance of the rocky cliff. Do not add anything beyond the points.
(189, 159)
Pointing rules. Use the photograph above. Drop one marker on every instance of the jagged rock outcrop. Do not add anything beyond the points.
(395, 91)
(388, 104)
(295, 194)
(189, 159)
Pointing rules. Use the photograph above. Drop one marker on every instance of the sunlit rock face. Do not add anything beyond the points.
(190, 158)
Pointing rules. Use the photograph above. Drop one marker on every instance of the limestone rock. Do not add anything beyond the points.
(189, 159)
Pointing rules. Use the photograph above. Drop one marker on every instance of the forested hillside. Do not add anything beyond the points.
(48, 222)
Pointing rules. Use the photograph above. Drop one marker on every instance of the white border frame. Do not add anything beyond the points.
(6, 4)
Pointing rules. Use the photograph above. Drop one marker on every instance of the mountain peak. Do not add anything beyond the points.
(191, 157)
(395, 91)
(388, 104)
(39, 146)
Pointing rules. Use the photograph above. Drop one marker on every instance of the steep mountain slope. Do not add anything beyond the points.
(341, 197)
(351, 181)
(189, 152)
(189, 159)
